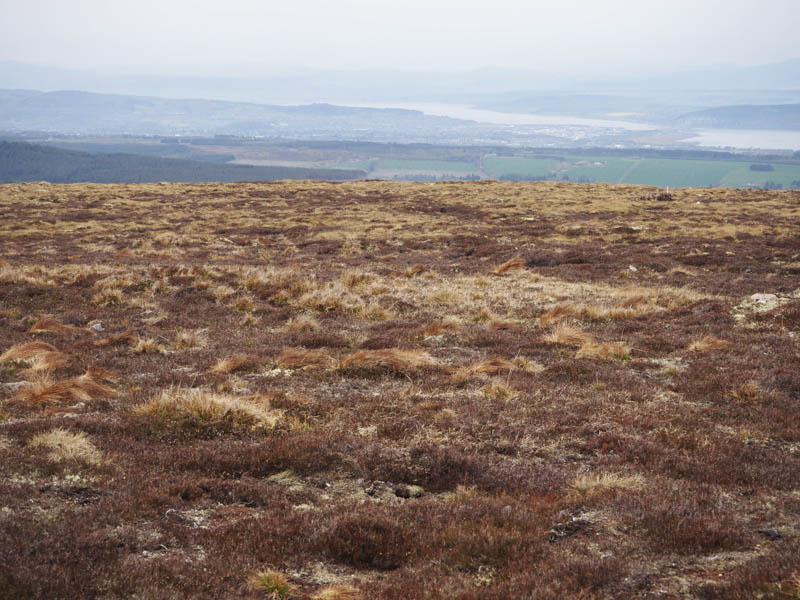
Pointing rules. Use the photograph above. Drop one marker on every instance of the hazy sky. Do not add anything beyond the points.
(247, 36)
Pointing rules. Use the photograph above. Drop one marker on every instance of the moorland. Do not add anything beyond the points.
(399, 390)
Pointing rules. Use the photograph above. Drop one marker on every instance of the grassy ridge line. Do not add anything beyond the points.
(21, 161)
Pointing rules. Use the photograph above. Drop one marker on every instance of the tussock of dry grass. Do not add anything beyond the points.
(188, 339)
(748, 392)
(568, 335)
(510, 265)
(591, 484)
(389, 359)
(584, 312)
(118, 338)
(68, 447)
(297, 358)
(499, 390)
(337, 592)
(302, 323)
(148, 346)
(707, 343)
(38, 356)
(619, 350)
(192, 407)
(50, 325)
(355, 279)
(273, 584)
(493, 366)
(239, 362)
(45, 390)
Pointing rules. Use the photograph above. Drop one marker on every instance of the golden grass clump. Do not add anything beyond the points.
(388, 359)
(618, 350)
(117, 338)
(707, 343)
(302, 323)
(354, 279)
(748, 392)
(493, 366)
(245, 304)
(591, 484)
(240, 362)
(191, 406)
(188, 339)
(510, 265)
(50, 325)
(44, 390)
(568, 335)
(584, 312)
(299, 358)
(337, 592)
(499, 390)
(148, 346)
(272, 583)
(39, 356)
(68, 447)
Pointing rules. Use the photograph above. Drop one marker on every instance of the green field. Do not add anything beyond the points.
(530, 167)
(444, 166)
(645, 171)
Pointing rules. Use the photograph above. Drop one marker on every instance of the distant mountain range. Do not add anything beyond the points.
(302, 86)
(781, 116)
(20, 161)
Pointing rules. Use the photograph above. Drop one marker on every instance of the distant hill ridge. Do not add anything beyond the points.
(21, 161)
(745, 116)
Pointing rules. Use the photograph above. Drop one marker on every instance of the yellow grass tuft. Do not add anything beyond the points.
(499, 390)
(39, 356)
(337, 592)
(44, 390)
(302, 323)
(272, 583)
(493, 366)
(510, 265)
(501, 325)
(618, 350)
(389, 359)
(708, 342)
(748, 392)
(190, 406)
(188, 339)
(148, 346)
(568, 335)
(69, 447)
(591, 484)
(298, 358)
(355, 279)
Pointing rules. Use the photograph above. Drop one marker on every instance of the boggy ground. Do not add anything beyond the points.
(382, 390)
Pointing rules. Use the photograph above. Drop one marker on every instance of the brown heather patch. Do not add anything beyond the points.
(460, 453)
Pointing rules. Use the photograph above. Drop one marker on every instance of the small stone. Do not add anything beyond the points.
(96, 326)
(633, 269)
(506, 511)
(763, 298)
